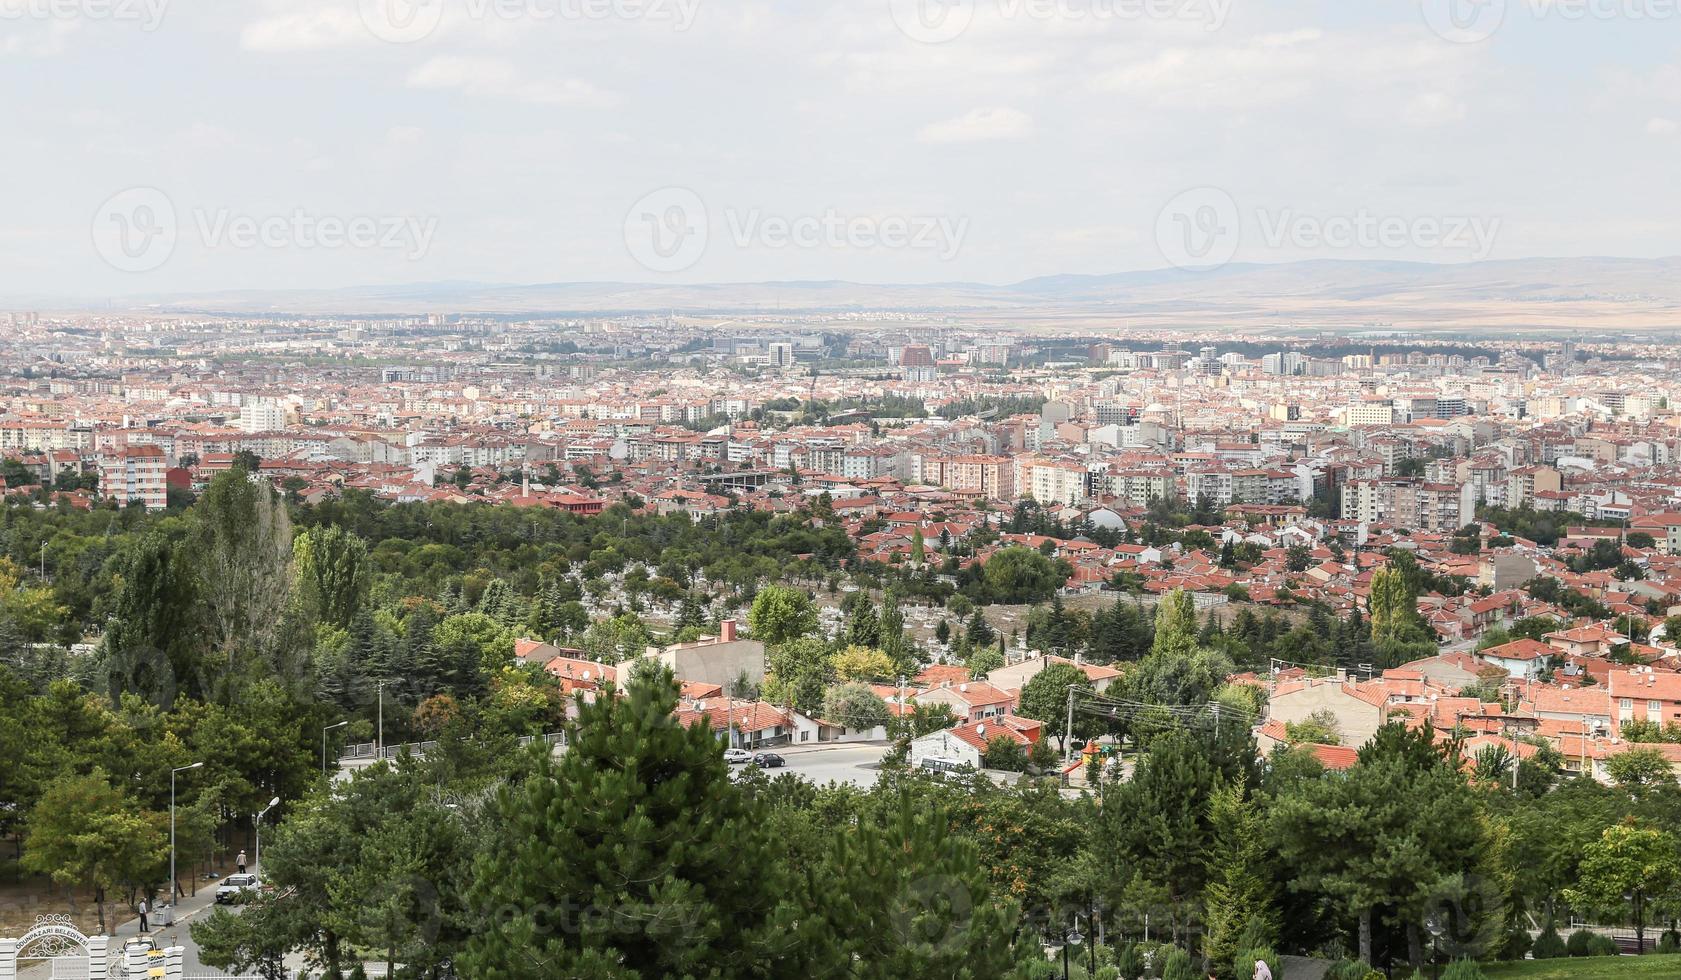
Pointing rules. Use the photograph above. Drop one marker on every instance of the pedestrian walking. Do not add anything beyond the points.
(143, 909)
(241, 862)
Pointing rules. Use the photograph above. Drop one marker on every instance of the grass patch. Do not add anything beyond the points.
(1588, 968)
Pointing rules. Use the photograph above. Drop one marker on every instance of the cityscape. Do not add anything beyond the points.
(974, 489)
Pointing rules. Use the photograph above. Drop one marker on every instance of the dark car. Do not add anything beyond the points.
(769, 760)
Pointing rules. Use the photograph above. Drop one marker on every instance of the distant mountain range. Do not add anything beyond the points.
(1579, 293)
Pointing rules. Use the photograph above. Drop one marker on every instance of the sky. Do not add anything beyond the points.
(175, 146)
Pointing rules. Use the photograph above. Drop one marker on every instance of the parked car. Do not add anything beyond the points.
(236, 888)
(769, 760)
(140, 944)
(737, 757)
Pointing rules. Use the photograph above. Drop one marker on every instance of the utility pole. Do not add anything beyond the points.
(1068, 733)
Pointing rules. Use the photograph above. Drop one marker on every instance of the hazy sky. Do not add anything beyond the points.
(179, 145)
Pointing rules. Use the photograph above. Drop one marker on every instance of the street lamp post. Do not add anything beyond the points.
(257, 825)
(1070, 938)
(379, 738)
(1433, 924)
(173, 887)
(324, 732)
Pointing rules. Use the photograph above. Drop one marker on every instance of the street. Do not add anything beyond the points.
(857, 763)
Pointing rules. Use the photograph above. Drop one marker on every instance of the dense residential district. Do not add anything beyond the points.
(840, 646)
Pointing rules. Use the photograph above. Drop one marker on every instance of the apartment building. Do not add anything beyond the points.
(137, 473)
(1054, 482)
(1406, 503)
(992, 477)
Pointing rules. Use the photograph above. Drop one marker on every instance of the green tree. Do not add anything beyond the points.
(899, 895)
(1626, 868)
(1020, 575)
(1393, 604)
(1384, 835)
(156, 626)
(1176, 624)
(983, 661)
(478, 644)
(799, 673)
(630, 856)
(1159, 821)
(1239, 882)
(855, 706)
(330, 567)
(781, 614)
(1639, 770)
(1045, 699)
(240, 539)
(1004, 754)
(85, 831)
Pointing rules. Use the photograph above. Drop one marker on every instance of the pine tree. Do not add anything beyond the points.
(691, 612)
(1238, 882)
(901, 896)
(633, 855)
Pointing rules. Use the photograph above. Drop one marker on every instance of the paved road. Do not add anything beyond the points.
(857, 763)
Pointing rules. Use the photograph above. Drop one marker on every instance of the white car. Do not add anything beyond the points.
(236, 888)
(736, 757)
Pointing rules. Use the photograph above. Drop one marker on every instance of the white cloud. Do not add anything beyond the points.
(36, 40)
(499, 79)
(980, 125)
(1434, 109)
(309, 29)
(1658, 126)
(404, 136)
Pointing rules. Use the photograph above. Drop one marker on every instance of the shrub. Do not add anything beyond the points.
(1177, 966)
(1603, 946)
(1514, 942)
(1579, 943)
(1255, 935)
(1463, 970)
(1244, 966)
(1549, 945)
(1347, 970)
(1130, 962)
(1107, 973)
(1670, 943)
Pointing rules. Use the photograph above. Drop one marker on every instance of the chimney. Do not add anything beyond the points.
(726, 631)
